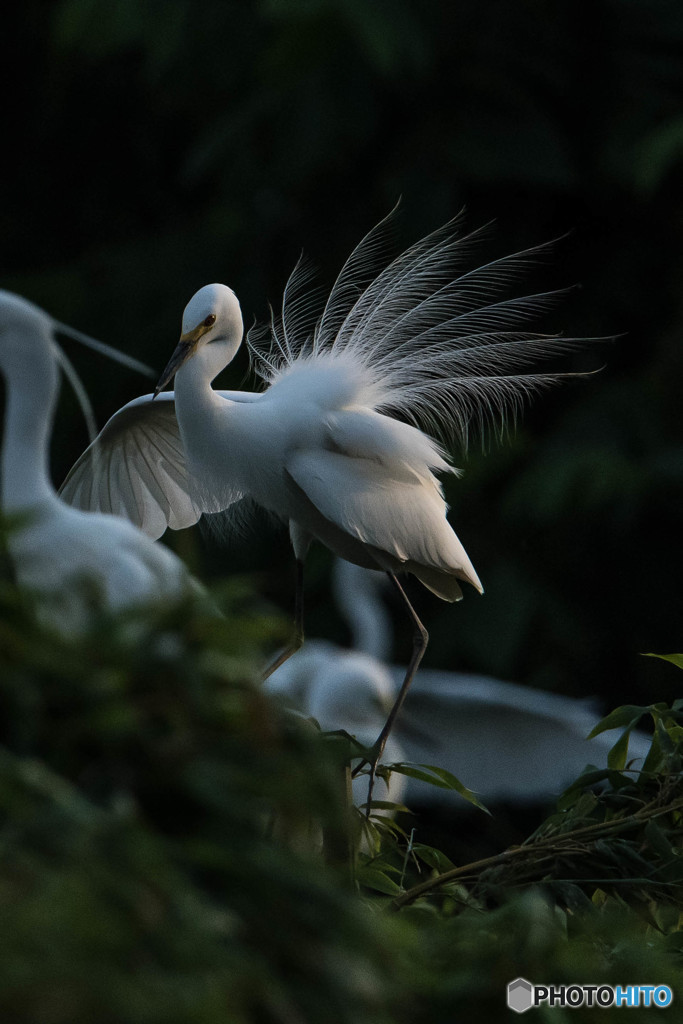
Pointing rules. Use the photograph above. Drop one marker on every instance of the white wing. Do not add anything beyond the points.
(504, 740)
(390, 503)
(136, 468)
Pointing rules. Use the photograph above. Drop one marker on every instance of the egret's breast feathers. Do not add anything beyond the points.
(328, 380)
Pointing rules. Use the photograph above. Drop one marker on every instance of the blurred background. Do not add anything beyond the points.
(152, 148)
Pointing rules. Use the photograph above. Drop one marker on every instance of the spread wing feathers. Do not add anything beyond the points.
(136, 468)
(442, 342)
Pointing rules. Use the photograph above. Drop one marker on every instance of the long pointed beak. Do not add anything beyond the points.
(183, 350)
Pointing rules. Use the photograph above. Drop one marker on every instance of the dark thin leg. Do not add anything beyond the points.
(298, 637)
(420, 641)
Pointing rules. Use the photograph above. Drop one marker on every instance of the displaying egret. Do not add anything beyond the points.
(326, 447)
(70, 559)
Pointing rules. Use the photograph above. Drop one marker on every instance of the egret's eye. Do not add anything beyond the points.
(210, 320)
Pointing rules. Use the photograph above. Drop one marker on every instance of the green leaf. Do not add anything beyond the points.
(373, 878)
(370, 834)
(666, 742)
(658, 840)
(589, 777)
(438, 777)
(386, 805)
(675, 659)
(616, 758)
(626, 716)
(433, 858)
(584, 807)
(653, 761)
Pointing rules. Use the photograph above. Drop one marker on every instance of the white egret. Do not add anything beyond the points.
(68, 558)
(504, 741)
(326, 447)
(347, 690)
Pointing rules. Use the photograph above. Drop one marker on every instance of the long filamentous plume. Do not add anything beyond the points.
(438, 344)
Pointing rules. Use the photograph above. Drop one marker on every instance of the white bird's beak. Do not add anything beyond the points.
(184, 350)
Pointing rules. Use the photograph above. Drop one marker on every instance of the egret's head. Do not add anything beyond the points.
(212, 317)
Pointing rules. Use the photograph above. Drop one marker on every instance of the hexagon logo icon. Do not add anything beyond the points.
(520, 995)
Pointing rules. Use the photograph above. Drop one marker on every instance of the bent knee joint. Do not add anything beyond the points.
(420, 637)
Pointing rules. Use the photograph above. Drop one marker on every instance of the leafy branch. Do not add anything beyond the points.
(555, 842)
(540, 849)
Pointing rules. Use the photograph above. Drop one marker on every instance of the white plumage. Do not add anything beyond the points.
(347, 690)
(504, 741)
(311, 449)
(72, 560)
(436, 342)
(321, 447)
(326, 447)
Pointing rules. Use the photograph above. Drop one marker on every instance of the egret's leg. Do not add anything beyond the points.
(298, 638)
(420, 641)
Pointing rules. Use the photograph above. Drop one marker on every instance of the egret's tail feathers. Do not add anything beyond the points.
(442, 342)
(443, 584)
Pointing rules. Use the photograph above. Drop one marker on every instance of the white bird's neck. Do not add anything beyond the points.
(31, 394)
(199, 410)
(193, 390)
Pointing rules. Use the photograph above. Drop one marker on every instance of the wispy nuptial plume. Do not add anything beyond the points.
(442, 343)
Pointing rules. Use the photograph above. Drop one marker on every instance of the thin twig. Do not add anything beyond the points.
(557, 842)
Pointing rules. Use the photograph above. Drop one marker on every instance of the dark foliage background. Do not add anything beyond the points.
(150, 148)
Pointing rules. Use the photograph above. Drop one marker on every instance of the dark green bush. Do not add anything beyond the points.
(173, 848)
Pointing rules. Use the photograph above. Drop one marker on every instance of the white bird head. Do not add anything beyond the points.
(213, 318)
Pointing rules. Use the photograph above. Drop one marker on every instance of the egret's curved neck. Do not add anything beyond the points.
(198, 408)
(31, 393)
(193, 390)
(194, 378)
(213, 429)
